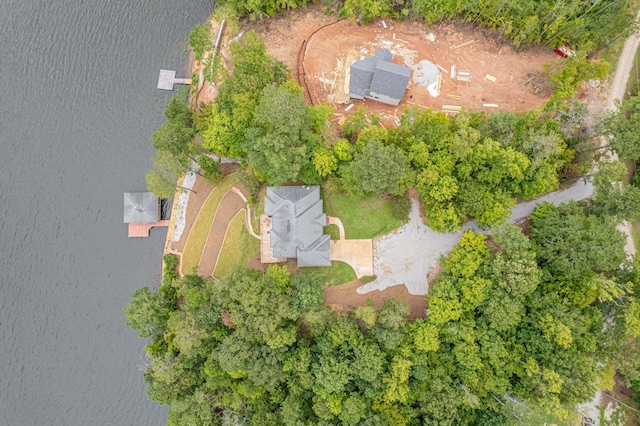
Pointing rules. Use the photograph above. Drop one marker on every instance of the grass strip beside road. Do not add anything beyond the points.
(200, 230)
(238, 247)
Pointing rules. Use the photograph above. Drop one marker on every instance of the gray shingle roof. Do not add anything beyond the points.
(140, 207)
(390, 79)
(383, 55)
(360, 78)
(378, 75)
(297, 224)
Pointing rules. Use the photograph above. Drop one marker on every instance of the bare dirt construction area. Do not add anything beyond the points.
(343, 298)
(319, 50)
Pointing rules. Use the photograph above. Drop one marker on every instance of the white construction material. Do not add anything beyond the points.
(451, 108)
(442, 69)
(490, 105)
(434, 89)
(464, 44)
(490, 78)
(349, 107)
(427, 77)
(463, 76)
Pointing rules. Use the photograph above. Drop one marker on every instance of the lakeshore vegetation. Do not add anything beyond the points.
(520, 325)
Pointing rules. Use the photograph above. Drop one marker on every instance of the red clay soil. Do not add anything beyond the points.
(327, 49)
(344, 298)
(314, 46)
(229, 206)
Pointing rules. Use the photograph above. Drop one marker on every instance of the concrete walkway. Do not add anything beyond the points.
(356, 253)
(248, 212)
(337, 222)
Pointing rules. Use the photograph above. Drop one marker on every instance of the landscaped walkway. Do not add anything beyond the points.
(356, 253)
(230, 204)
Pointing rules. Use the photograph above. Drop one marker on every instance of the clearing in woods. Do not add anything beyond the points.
(319, 49)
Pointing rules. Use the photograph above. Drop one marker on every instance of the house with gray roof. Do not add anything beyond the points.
(297, 224)
(378, 79)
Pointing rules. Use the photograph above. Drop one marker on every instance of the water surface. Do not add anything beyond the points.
(78, 106)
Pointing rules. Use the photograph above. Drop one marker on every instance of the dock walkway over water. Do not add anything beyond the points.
(167, 79)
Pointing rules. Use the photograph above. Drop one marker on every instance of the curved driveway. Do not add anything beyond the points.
(407, 255)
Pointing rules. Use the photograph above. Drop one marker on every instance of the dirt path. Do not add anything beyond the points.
(617, 92)
(625, 63)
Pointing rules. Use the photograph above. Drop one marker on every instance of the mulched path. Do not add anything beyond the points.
(202, 188)
(229, 206)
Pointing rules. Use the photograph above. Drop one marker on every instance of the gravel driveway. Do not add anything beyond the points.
(409, 253)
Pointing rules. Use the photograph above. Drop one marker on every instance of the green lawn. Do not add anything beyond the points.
(200, 230)
(332, 230)
(238, 247)
(336, 274)
(367, 216)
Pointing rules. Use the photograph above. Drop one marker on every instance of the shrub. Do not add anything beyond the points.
(200, 40)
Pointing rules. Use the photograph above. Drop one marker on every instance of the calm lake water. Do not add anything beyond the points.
(78, 105)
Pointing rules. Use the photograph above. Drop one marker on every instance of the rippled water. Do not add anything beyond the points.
(78, 105)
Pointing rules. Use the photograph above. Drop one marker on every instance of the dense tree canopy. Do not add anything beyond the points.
(279, 142)
(175, 149)
(514, 330)
(378, 169)
(623, 129)
(582, 23)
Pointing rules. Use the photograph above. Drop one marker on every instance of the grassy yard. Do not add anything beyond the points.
(336, 274)
(369, 216)
(238, 247)
(200, 229)
(333, 231)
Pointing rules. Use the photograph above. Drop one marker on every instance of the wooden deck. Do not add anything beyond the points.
(266, 252)
(141, 230)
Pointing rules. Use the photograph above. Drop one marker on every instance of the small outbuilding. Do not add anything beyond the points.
(140, 207)
(142, 212)
(378, 78)
(297, 225)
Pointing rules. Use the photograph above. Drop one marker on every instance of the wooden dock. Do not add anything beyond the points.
(141, 230)
(167, 79)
